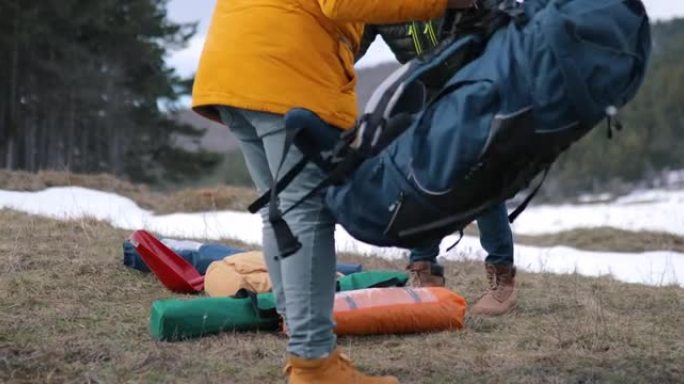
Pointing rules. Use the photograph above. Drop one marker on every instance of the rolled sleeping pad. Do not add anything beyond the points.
(349, 268)
(198, 254)
(379, 311)
(201, 255)
(173, 319)
(372, 279)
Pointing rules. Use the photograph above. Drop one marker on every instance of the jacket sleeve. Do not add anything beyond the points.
(382, 11)
(369, 34)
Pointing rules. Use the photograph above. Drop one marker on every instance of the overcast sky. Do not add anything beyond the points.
(185, 61)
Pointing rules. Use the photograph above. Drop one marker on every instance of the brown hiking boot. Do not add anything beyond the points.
(334, 369)
(425, 274)
(502, 295)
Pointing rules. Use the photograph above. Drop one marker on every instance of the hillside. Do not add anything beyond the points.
(72, 313)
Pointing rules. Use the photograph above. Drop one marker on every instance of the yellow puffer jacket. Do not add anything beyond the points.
(274, 55)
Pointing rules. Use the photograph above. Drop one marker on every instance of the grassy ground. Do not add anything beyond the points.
(237, 198)
(602, 239)
(70, 312)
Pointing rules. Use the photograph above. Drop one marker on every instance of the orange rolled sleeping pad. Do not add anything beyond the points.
(377, 311)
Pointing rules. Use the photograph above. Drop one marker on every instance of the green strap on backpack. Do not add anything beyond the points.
(173, 319)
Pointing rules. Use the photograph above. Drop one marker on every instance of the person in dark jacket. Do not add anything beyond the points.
(408, 41)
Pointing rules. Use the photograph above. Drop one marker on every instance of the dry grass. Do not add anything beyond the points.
(602, 239)
(70, 312)
(25, 181)
(608, 240)
(208, 199)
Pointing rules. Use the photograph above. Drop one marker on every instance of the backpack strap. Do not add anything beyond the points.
(286, 241)
(300, 125)
(270, 313)
(514, 215)
(299, 122)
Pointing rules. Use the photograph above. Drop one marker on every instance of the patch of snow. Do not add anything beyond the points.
(588, 199)
(652, 210)
(652, 268)
(673, 179)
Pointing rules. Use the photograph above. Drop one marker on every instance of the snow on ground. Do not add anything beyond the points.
(651, 210)
(654, 210)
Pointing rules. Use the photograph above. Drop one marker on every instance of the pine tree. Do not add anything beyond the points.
(82, 86)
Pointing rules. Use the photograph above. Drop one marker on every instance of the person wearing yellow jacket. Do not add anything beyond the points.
(261, 58)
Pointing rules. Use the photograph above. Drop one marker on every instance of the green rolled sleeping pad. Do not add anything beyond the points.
(174, 319)
(371, 279)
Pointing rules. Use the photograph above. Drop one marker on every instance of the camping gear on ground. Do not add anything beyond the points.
(178, 273)
(173, 319)
(242, 271)
(368, 279)
(397, 310)
(172, 270)
(379, 311)
(199, 255)
(248, 271)
(348, 268)
(522, 82)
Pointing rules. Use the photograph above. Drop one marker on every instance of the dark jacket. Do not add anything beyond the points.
(406, 40)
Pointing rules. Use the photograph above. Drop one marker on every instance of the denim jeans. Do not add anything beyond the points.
(496, 239)
(303, 283)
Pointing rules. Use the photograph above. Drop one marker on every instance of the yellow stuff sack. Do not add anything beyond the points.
(240, 271)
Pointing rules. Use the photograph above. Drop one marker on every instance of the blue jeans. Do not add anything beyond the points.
(303, 283)
(495, 236)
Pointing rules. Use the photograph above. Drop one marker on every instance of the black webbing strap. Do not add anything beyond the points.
(254, 302)
(280, 185)
(448, 23)
(350, 163)
(514, 215)
(286, 241)
(311, 154)
(457, 242)
(393, 282)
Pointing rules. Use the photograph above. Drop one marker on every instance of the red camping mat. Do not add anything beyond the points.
(171, 269)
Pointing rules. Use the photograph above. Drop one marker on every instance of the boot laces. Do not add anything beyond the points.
(415, 275)
(492, 279)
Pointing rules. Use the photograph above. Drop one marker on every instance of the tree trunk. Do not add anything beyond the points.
(71, 121)
(12, 115)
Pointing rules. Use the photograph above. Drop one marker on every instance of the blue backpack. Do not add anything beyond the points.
(522, 82)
